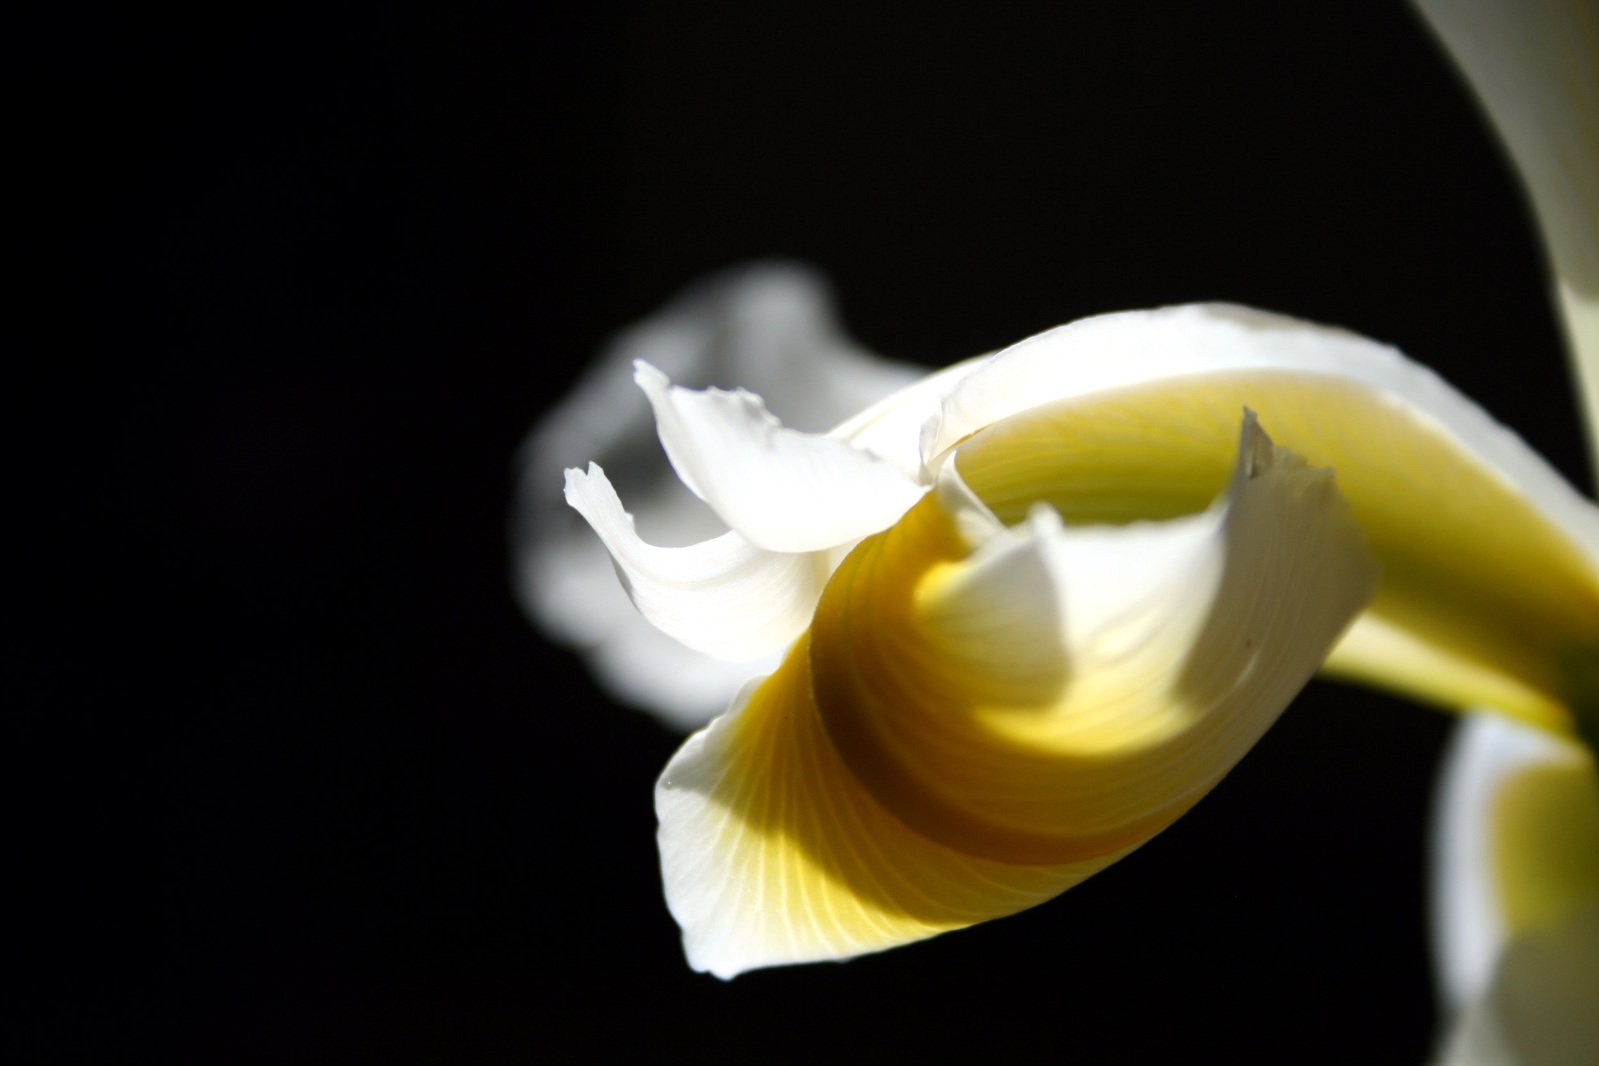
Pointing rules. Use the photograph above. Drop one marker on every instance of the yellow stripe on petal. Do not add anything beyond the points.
(1175, 645)
(941, 748)
(1546, 841)
(1483, 599)
(773, 852)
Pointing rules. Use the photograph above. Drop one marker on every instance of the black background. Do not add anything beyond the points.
(311, 789)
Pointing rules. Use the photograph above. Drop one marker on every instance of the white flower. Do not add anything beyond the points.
(1032, 607)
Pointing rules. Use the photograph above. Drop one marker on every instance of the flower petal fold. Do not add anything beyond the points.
(1515, 890)
(1490, 560)
(772, 852)
(780, 489)
(722, 597)
(769, 327)
(968, 730)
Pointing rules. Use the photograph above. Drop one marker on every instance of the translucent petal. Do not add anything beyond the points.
(580, 598)
(1516, 896)
(894, 427)
(769, 327)
(1516, 845)
(940, 750)
(1489, 584)
(1534, 65)
(1539, 1009)
(722, 597)
(778, 488)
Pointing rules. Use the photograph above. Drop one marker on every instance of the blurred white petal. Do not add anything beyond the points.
(769, 327)
(1515, 897)
(1534, 65)
(722, 597)
(778, 488)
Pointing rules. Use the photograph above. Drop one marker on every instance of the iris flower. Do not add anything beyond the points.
(970, 637)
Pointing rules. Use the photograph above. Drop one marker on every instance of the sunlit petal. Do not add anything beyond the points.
(772, 852)
(769, 327)
(970, 729)
(722, 597)
(894, 428)
(778, 488)
(1490, 561)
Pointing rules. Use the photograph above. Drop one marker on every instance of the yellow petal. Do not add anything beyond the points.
(772, 852)
(1516, 896)
(963, 734)
(1484, 600)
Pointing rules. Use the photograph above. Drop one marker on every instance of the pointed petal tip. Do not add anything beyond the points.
(649, 377)
(781, 489)
(723, 596)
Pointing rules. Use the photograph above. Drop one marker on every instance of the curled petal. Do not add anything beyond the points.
(769, 327)
(970, 729)
(772, 852)
(1534, 65)
(1516, 894)
(893, 428)
(1175, 644)
(722, 597)
(1490, 579)
(580, 599)
(778, 488)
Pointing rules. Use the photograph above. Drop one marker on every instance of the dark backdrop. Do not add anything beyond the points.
(312, 788)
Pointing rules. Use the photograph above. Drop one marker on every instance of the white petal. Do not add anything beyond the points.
(1132, 348)
(1540, 1007)
(1172, 644)
(570, 587)
(1468, 921)
(780, 489)
(770, 327)
(685, 689)
(1097, 593)
(1452, 500)
(722, 597)
(773, 853)
(893, 428)
(971, 516)
(1515, 848)
(1534, 65)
